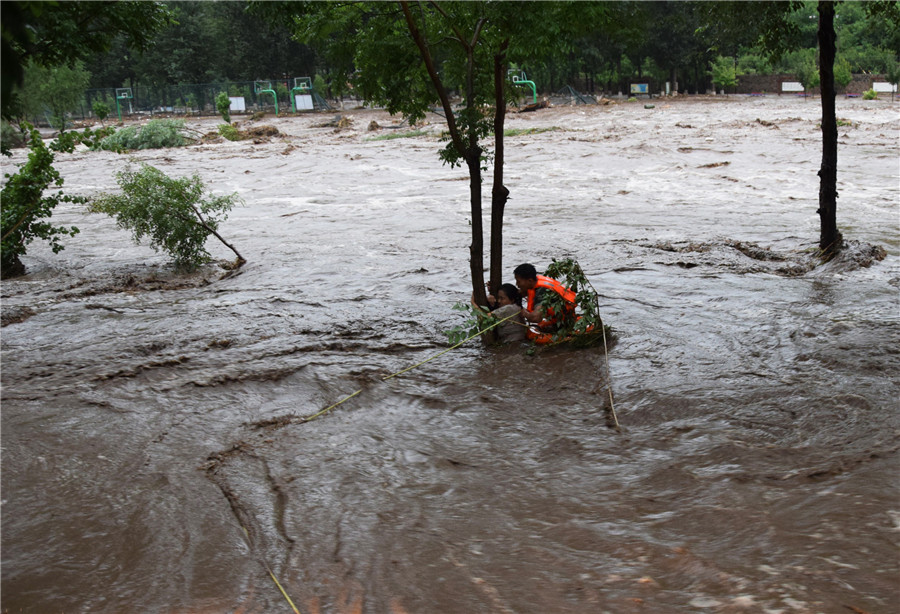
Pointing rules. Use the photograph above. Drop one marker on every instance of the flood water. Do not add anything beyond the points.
(154, 460)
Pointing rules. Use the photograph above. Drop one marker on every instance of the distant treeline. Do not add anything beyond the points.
(658, 43)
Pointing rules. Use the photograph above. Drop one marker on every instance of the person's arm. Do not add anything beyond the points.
(536, 314)
(533, 316)
(481, 308)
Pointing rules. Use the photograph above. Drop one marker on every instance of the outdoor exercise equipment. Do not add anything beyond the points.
(265, 87)
(519, 78)
(122, 93)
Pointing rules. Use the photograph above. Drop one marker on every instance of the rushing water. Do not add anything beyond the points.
(153, 460)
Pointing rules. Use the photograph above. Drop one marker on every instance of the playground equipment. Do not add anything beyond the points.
(519, 78)
(303, 100)
(265, 87)
(308, 98)
(122, 93)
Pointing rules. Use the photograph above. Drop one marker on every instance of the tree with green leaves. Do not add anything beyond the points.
(724, 73)
(61, 33)
(410, 57)
(55, 36)
(26, 207)
(223, 106)
(807, 71)
(101, 110)
(174, 214)
(842, 74)
(778, 27)
(57, 89)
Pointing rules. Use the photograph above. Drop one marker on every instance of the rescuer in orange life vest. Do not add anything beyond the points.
(534, 288)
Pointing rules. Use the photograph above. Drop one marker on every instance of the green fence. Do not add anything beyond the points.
(187, 99)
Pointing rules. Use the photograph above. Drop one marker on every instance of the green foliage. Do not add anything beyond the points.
(54, 34)
(229, 132)
(724, 73)
(582, 326)
(477, 321)
(24, 207)
(101, 110)
(870, 95)
(173, 214)
(805, 68)
(11, 137)
(893, 73)
(753, 64)
(842, 74)
(320, 86)
(66, 141)
(223, 106)
(155, 134)
(57, 90)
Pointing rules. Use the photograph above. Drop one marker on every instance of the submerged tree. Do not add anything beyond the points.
(26, 207)
(410, 57)
(769, 24)
(172, 213)
(830, 239)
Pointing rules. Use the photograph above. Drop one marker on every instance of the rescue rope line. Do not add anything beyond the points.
(272, 575)
(283, 592)
(612, 407)
(418, 364)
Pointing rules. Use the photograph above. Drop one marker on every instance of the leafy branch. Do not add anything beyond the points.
(172, 213)
(582, 324)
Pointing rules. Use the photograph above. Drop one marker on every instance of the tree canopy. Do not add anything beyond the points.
(53, 33)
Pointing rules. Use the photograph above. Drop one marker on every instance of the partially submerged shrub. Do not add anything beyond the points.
(101, 110)
(870, 95)
(172, 213)
(155, 134)
(583, 325)
(223, 106)
(25, 207)
(229, 132)
(66, 141)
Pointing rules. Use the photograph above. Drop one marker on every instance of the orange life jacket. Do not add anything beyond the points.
(551, 284)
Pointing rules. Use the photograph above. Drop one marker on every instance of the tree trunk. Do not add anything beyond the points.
(499, 192)
(830, 240)
(473, 161)
(476, 250)
(468, 148)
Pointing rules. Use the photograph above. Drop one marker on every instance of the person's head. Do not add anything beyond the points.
(508, 295)
(526, 277)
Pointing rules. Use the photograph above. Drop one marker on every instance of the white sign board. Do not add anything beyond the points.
(304, 102)
(883, 87)
(792, 86)
(237, 103)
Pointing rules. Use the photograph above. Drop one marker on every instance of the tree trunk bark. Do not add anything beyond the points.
(476, 249)
(499, 192)
(830, 240)
(473, 161)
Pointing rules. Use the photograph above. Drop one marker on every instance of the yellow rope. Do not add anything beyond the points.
(609, 378)
(283, 592)
(271, 575)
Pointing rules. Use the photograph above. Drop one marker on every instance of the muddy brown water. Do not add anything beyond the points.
(756, 470)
